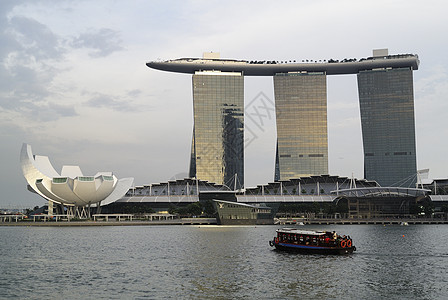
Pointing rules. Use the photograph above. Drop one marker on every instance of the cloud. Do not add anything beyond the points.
(117, 103)
(40, 112)
(29, 55)
(49, 112)
(36, 39)
(103, 41)
(20, 83)
(105, 101)
(134, 93)
(62, 110)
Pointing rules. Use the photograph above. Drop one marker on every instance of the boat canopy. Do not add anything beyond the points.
(301, 232)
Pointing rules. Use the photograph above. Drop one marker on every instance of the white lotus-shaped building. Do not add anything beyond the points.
(70, 187)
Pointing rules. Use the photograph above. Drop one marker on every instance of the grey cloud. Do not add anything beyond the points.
(5, 7)
(104, 101)
(7, 42)
(43, 112)
(20, 88)
(21, 85)
(31, 83)
(134, 93)
(123, 104)
(104, 41)
(28, 50)
(63, 110)
(50, 112)
(37, 40)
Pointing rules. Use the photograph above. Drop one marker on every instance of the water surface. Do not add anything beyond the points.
(219, 262)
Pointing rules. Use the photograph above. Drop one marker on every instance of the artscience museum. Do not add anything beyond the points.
(70, 191)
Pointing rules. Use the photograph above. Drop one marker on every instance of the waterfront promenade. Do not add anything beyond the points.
(110, 222)
(295, 221)
(17, 221)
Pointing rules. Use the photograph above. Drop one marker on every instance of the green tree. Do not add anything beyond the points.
(183, 211)
(445, 208)
(136, 209)
(342, 207)
(208, 208)
(329, 208)
(428, 209)
(415, 209)
(172, 209)
(194, 209)
(315, 208)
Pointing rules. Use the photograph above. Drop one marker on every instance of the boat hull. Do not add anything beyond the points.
(314, 249)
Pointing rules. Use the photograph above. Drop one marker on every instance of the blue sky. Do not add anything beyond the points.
(74, 85)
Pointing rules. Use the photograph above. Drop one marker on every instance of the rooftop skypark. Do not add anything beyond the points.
(272, 67)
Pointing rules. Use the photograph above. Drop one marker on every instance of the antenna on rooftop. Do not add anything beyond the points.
(352, 182)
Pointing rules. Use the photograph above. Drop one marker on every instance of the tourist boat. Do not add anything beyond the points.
(312, 242)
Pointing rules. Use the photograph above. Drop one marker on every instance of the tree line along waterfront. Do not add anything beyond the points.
(206, 209)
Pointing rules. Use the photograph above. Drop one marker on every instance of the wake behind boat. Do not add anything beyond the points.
(312, 242)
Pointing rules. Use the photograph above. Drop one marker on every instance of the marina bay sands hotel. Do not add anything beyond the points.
(386, 98)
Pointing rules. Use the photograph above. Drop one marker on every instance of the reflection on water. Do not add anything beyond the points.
(221, 262)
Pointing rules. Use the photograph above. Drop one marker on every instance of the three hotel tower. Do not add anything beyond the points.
(385, 87)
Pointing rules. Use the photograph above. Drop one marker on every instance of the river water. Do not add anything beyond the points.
(219, 262)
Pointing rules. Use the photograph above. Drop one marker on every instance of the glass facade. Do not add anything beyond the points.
(218, 134)
(388, 126)
(301, 112)
(85, 178)
(59, 179)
